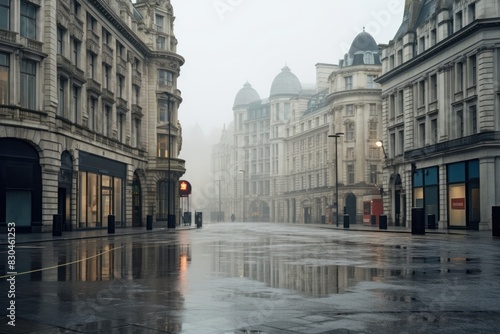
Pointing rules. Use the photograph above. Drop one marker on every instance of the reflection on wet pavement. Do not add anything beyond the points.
(260, 278)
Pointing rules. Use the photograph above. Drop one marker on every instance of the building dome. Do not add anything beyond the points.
(363, 51)
(246, 95)
(285, 83)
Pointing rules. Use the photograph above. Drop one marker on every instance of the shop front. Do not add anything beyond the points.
(101, 191)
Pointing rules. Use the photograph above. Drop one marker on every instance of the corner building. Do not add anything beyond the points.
(88, 113)
(283, 163)
(441, 103)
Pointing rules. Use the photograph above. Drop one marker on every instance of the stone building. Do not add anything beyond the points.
(441, 103)
(88, 113)
(282, 150)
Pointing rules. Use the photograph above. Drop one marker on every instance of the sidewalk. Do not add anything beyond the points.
(23, 238)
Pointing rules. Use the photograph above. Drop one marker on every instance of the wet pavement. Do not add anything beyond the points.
(252, 278)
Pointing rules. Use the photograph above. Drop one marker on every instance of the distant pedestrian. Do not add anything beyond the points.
(233, 217)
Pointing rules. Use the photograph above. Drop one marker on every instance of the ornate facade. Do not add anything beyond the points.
(88, 113)
(441, 102)
(282, 157)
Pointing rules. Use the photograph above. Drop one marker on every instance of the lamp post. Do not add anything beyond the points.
(336, 135)
(242, 171)
(169, 116)
(379, 143)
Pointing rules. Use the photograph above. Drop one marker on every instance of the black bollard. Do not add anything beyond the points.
(111, 224)
(373, 220)
(382, 223)
(431, 222)
(57, 225)
(417, 221)
(149, 222)
(346, 221)
(495, 221)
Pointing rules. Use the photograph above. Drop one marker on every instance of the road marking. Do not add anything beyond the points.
(63, 264)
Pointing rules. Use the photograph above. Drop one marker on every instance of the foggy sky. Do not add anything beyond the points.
(228, 42)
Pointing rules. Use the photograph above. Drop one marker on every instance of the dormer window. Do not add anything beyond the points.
(368, 58)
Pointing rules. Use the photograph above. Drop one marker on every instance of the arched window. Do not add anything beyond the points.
(368, 59)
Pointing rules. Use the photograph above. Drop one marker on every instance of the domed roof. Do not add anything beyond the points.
(285, 83)
(363, 51)
(362, 43)
(246, 95)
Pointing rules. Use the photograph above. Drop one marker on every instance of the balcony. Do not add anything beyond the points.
(21, 114)
(108, 95)
(137, 111)
(8, 36)
(121, 104)
(94, 86)
(31, 44)
(107, 54)
(137, 78)
(492, 137)
(175, 164)
(76, 27)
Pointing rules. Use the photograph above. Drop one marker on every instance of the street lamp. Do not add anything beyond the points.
(379, 143)
(170, 220)
(336, 135)
(242, 171)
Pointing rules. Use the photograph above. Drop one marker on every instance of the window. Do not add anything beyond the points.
(421, 133)
(75, 52)
(391, 62)
(162, 146)
(135, 132)
(368, 58)
(136, 95)
(473, 119)
(373, 174)
(120, 50)
(372, 130)
(4, 78)
(458, 21)
(120, 123)
(401, 103)
(348, 82)
(91, 22)
(371, 81)
(350, 154)
(392, 106)
(400, 57)
(350, 174)
(471, 12)
(349, 110)
(60, 40)
(28, 84)
(119, 85)
(61, 106)
(76, 104)
(460, 77)
(460, 123)
(91, 113)
(91, 61)
(433, 37)
(76, 7)
(401, 142)
(106, 121)
(106, 36)
(163, 111)
(106, 71)
(421, 45)
(165, 78)
(28, 20)
(349, 131)
(421, 92)
(433, 88)
(373, 109)
(5, 14)
(373, 153)
(434, 131)
(392, 145)
(472, 71)
(159, 22)
(160, 43)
